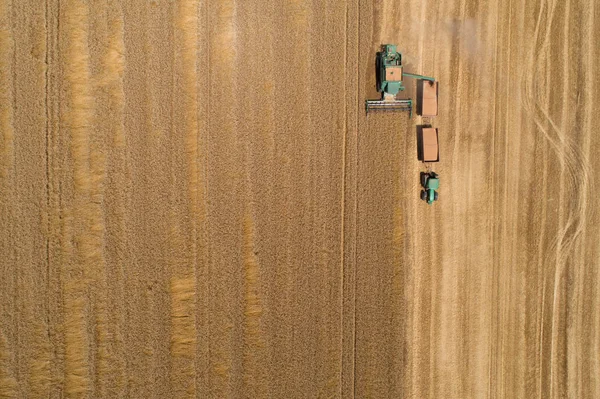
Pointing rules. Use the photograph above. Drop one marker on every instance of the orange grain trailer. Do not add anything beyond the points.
(427, 144)
(427, 98)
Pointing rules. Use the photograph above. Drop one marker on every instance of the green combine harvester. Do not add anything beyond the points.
(390, 75)
(430, 182)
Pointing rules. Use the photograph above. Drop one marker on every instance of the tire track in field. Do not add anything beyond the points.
(588, 367)
(577, 180)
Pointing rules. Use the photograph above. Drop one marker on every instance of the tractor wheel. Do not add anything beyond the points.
(435, 196)
(423, 179)
(423, 195)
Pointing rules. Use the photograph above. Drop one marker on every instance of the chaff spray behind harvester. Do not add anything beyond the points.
(390, 76)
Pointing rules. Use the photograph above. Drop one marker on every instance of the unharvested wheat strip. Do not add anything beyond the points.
(348, 199)
(252, 381)
(202, 245)
(77, 119)
(94, 218)
(111, 370)
(327, 138)
(30, 190)
(293, 113)
(183, 285)
(146, 329)
(8, 382)
(398, 278)
(222, 52)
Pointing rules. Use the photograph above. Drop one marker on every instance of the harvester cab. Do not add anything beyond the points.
(430, 182)
(390, 75)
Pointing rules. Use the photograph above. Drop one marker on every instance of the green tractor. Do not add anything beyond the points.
(390, 76)
(430, 182)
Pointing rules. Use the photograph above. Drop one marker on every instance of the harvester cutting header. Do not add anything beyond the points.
(390, 76)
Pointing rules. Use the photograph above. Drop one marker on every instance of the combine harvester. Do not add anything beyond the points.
(390, 76)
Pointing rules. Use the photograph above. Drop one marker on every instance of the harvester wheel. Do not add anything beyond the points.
(435, 195)
(423, 195)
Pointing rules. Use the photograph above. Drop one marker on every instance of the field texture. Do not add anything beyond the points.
(194, 204)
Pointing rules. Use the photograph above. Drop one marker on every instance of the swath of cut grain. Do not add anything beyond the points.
(39, 366)
(187, 26)
(8, 382)
(225, 37)
(103, 359)
(92, 245)
(6, 96)
(183, 334)
(78, 120)
(253, 343)
(114, 67)
(77, 378)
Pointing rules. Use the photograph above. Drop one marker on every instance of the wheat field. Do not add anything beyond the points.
(194, 203)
